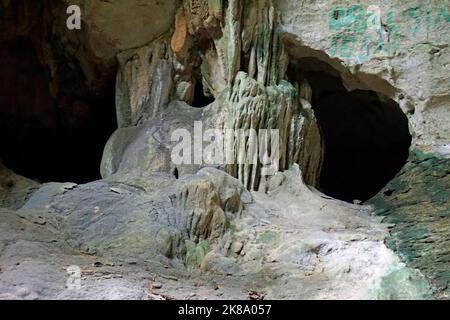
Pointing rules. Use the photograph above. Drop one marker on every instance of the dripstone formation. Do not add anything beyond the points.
(321, 99)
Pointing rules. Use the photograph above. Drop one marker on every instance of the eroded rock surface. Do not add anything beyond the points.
(203, 236)
(416, 205)
(153, 229)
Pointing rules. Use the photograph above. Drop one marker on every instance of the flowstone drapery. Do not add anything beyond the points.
(234, 52)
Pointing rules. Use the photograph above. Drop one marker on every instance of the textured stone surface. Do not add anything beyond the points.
(110, 27)
(416, 206)
(202, 236)
(407, 59)
(126, 214)
(148, 146)
(257, 99)
(144, 83)
(155, 230)
(253, 106)
(14, 189)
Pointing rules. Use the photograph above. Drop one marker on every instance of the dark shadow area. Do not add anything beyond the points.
(51, 130)
(366, 137)
(201, 100)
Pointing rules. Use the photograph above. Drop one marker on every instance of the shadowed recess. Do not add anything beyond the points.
(51, 133)
(366, 136)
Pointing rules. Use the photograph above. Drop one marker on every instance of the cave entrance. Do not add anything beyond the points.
(366, 136)
(201, 99)
(50, 133)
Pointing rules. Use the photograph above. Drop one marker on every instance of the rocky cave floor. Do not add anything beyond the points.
(292, 242)
(350, 103)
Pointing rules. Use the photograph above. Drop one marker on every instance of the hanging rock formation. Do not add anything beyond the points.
(255, 220)
(237, 55)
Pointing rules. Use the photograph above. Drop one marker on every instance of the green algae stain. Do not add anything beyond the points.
(402, 284)
(196, 252)
(267, 237)
(417, 203)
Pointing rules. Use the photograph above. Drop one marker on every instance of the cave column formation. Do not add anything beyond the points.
(233, 51)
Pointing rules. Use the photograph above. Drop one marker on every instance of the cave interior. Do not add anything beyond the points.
(60, 136)
(366, 135)
(51, 133)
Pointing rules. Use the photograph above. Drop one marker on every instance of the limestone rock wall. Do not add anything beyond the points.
(163, 55)
(110, 27)
(405, 58)
(211, 43)
(235, 52)
(416, 206)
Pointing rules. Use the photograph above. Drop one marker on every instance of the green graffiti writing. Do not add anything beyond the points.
(354, 40)
(443, 13)
(414, 14)
(352, 19)
(424, 18)
(357, 38)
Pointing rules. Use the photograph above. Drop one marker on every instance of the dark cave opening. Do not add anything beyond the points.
(201, 99)
(51, 129)
(366, 136)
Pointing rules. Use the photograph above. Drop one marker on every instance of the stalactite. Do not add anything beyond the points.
(261, 99)
(234, 49)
